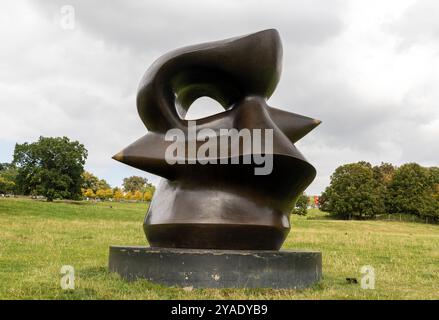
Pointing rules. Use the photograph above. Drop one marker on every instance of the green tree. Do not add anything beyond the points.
(412, 191)
(90, 181)
(434, 174)
(103, 184)
(384, 173)
(8, 174)
(301, 205)
(51, 167)
(323, 202)
(134, 183)
(6, 186)
(354, 192)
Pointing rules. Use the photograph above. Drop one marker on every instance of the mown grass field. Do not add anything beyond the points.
(37, 238)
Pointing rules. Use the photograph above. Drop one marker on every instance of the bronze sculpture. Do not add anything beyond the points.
(222, 205)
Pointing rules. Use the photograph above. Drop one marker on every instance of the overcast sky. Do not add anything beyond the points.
(368, 69)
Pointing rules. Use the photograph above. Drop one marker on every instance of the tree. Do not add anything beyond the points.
(103, 184)
(147, 195)
(137, 196)
(6, 186)
(384, 173)
(51, 167)
(8, 174)
(88, 193)
(354, 192)
(434, 174)
(323, 204)
(104, 194)
(90, 181)
(412, 191)
(134, 183)
(108, 193)
(301, 205)
(147, 192)
(117, 194)
(100, 194)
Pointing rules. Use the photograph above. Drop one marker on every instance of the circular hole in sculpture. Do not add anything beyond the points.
(203, 107)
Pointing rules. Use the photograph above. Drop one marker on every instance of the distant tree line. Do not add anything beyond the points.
(133, 188)
(360, 190)
(53, 167)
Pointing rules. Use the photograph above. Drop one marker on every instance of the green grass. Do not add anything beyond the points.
(37, 238)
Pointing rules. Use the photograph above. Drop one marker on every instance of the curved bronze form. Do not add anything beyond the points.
(220, 206)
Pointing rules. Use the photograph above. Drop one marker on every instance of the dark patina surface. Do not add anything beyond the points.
(220, 206)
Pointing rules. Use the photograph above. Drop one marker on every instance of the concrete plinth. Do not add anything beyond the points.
(217, 268)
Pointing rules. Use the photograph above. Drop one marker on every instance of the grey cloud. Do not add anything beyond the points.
(154, 26)
(419, 23)
(82, 83)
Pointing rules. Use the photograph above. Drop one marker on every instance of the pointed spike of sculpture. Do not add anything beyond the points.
(294, 126)
(118, 156)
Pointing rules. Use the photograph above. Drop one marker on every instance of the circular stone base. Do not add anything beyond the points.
(201, 268)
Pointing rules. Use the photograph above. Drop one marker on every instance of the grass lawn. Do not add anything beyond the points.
(37, 238)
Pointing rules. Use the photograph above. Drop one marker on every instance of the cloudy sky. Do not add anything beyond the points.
(368, 69)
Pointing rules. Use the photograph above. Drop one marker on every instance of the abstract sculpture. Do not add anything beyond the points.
(222, 205)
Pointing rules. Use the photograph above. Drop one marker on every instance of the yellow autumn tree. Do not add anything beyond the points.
(117, 195)
(147, 196)
(89, 194)
(100, 193)
(108, 193)
(137, 196)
